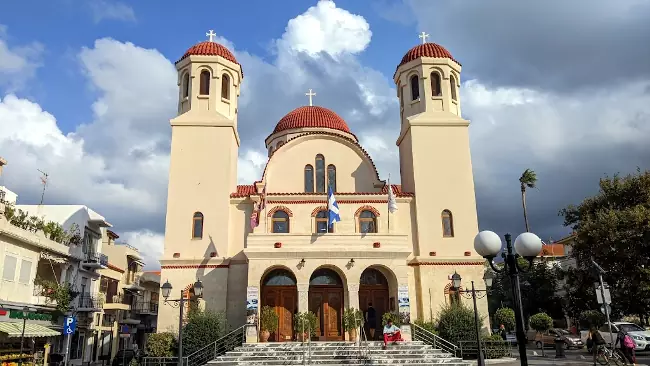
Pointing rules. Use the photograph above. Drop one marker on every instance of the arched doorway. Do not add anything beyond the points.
(326, 301)
(280, 292)
(373, 288)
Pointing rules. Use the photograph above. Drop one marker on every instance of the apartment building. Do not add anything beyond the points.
(130, 308)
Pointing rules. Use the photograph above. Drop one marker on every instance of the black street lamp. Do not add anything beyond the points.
(474, 294)
(180, 303)
(527, 246)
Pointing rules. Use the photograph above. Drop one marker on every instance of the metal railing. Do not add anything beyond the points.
(146, 307)
(490, 349)
(87, 301)
(306, 358)
(426, 337)
(92, 257)
(364, 357)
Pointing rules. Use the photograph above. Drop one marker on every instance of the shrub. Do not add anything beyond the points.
(592, 318)
(541, 322)
(161, 345)
(393, 316)
(495, 347)
(505, 316)
(306, 320)
(429, 326)
(456, 323)
(352, 318)
(202, 328)
(268, 319)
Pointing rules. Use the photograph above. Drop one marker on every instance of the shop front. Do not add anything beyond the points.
(36, 328)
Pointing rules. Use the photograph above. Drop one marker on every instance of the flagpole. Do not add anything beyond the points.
(388, 192)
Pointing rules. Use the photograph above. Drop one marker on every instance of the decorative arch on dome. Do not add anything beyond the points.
(280, 208)
(347, 141)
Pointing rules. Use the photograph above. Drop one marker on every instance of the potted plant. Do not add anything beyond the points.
(268, 322)
(303, 323)
(352, 319)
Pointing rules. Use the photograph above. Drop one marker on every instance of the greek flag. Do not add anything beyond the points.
(332, 208)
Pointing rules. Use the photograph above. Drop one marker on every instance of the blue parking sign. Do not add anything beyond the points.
(69, 325)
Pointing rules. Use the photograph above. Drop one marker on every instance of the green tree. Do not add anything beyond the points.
(541, 322)
(592, 318)
(613, 228)
(161, 345)
(203, 327)
(527, 180)
(505, 316)
(456, 323)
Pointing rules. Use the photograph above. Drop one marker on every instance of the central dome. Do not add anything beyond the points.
(311, 117)
(426, 50)
(209, 48)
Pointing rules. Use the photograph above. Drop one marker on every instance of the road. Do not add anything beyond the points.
(572, 356)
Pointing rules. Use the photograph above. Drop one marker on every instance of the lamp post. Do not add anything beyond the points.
(527, 246)
(22, 335)
(474, 294)
(180, 303)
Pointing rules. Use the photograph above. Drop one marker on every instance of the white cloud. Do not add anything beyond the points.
(111, 10)
(149, 243)
(326, 28)
(18, 64)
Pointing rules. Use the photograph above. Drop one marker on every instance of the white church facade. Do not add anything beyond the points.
(271, 239)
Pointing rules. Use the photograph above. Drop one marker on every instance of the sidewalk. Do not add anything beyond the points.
(550, 360)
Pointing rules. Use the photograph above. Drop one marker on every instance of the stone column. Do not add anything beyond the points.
(353, 295)
(303, 297)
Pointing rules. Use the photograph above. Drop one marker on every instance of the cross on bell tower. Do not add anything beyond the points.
(423, 36)
(310, 95)
(211, 35)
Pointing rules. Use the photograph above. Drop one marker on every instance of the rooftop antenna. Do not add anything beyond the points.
(44, 181)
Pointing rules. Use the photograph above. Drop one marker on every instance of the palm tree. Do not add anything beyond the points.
(528, 180)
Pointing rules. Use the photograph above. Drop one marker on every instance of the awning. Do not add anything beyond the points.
(31, 330)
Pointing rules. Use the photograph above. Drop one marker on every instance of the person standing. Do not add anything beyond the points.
(502, 332)
(371, 319)
(627, 346)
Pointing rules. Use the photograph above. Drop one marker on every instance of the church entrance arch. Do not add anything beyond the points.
(373, 289)
(280, 292)
(326, 301)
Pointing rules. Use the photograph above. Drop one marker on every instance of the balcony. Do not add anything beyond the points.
(116, 302)
(39, 296)
(146, 308)
(130, 317)
(95, 261)
(88, 302)
(132, 282)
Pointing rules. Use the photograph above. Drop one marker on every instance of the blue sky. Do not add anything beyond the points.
(87, 89)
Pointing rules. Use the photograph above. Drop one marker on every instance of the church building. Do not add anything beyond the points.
(269, 242)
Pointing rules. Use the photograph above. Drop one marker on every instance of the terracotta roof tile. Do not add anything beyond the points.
(244, 191)
(426, 50)
(207, 48)
(311, 116)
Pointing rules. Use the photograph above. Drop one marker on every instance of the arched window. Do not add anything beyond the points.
(321, 223)
(279, 277)
(186, 85)
(197, 225)
(320, 173)
(204, 86)
(435, 84)
(331, 177)
(452, 82)
(447, 224)
(372, 277)
(280, 222)
(325, 277)
(367, 222)
(415, 88)
(225, 86)
(309, 178)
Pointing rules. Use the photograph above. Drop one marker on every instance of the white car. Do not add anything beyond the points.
(640, 336)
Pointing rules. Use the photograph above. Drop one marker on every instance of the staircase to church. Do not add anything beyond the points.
(336, 353)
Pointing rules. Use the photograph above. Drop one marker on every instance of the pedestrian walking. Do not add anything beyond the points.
(371, 319)
(627, 346)
(595, 340)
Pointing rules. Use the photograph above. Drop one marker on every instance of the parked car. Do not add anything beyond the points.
(640, 335)
(547, 339)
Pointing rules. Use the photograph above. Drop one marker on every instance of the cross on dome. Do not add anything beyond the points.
(211, 35)
(423, 36)
(310, 95)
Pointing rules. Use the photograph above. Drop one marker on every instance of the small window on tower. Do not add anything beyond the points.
(186, 85)
(415, 88)
(225, 86)
(331, 177)
(204, 88)
(197, 225)
(452, 82)
(447, 224)
(309, 178)
(435, 84)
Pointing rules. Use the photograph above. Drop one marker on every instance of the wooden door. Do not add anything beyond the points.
(379, 299)
(283, 300)
(327, 304)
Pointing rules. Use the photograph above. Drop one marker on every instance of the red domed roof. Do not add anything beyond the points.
(208, 48)
(426, 50)
(311, 116)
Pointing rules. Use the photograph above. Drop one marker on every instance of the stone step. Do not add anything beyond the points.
(262, 357)
(447, 362)
(389, 351)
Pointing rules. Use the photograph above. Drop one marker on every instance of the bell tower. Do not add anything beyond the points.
(435, 159)
(202, 175)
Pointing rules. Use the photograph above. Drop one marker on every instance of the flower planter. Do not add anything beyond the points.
(277, 245)
(376, 244)
(264, 336)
